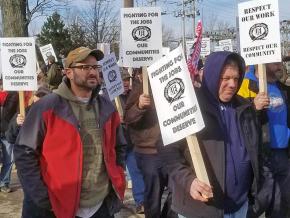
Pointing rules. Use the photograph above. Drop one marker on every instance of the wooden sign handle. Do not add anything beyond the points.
(21, 103)
(145, 80)
(130, 71)
(262, 78)
(197, 160)
(119, 106)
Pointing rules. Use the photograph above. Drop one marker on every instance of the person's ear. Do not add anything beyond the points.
(69, 73)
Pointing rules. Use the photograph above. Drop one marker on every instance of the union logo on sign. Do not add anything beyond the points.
(17, 61)
(141, 33)
(259, 31)
(112, 76)
(174, 90)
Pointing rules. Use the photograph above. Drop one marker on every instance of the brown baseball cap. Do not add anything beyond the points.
(79, 54)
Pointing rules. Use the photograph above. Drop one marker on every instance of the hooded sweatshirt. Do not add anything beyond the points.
(95, 181)
(238, 170)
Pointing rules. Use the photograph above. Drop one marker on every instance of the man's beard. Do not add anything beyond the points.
(279, 74)
(85, 84)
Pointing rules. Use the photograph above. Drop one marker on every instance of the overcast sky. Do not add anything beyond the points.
(222, 10)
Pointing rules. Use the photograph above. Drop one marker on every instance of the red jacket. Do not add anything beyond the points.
(51, 136)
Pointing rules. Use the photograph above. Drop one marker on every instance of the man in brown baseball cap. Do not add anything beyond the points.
(82, 70)
(80, 54)
(77, 147)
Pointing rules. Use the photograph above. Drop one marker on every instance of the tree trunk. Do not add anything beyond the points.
(14, 18)
(128, 3)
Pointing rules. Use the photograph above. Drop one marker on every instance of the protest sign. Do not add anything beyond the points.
(18, 60)
(104, 47)
(112, 76)
(205, 47)
(165, 51)
(218, 48)
(188, 45)
(170, 77)
(226, 45)
(204, 50)
(259, 31)
(47, 51)
(141, 36)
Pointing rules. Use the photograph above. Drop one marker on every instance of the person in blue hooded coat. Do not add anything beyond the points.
(229, 144)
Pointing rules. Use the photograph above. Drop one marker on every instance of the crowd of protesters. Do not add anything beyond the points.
(72, 148)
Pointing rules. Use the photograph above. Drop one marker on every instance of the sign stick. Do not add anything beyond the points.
(37, 65)
(130, 71)
(21, 103)
(119, 106)
(197, 160)
(145, 80)
(262, 78)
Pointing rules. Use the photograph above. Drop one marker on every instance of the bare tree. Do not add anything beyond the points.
(218, 29)
(168, 37)
(222, 26)
(100, 22)
(17, 14)
(210, 23)
(37, 8)
(78, 35)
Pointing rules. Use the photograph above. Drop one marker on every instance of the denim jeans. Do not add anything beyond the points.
(103, 212)
(280, 166)
(136, 177)
(31, 210)
(7, 162)
(155, 180)
(241, 213)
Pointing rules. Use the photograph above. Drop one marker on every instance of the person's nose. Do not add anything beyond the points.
(232, 83)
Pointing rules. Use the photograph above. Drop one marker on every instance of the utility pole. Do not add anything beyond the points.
(181, 13)
(193, 17)
(183, 28)
(152, 1)
(128, 3)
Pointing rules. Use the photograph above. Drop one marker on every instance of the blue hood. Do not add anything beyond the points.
(238, 173)
(212, 71)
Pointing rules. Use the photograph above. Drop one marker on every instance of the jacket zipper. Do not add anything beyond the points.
(79, 179)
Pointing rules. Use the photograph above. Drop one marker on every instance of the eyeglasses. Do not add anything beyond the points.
(228, 78)
(88, 67)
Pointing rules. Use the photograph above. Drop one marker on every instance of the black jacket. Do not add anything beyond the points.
(13, 128)
(7, 111)
(178, 161)
(212, 141)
